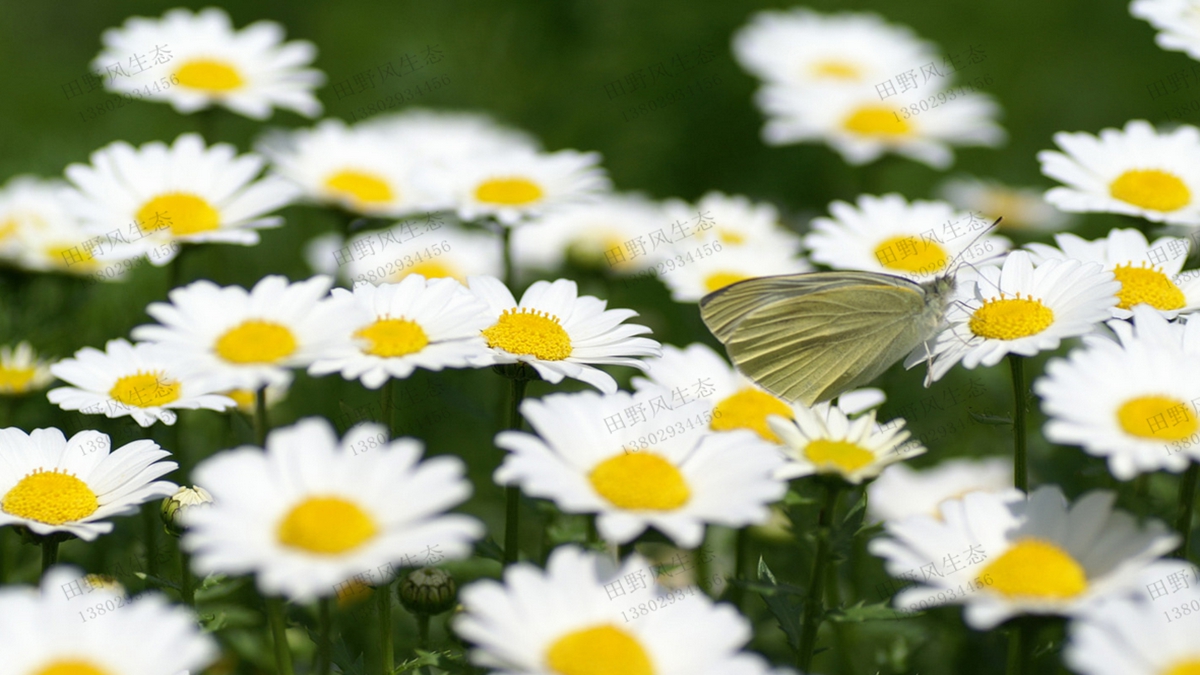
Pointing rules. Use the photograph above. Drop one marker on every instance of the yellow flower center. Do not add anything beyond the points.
(876, 120)
(528, 331)
(351, 592)
(256, 341)
(1189, 667)
(432, 269)
(748, 409)
(1150, 417)
(75, 257)
(70, 667)
(728, 236)
(50, 497)
(144, 390)
(393, 337)
(209, 75)
(8, 228)
(514, 191)
(844, 456)
(327, 526)
(908, 254)
(602, 650)
(1010, 318)
(246, 399)
(181, 212)
(359, 187)
(834, 69)
(718, 280)
(1151, 189)
(1036, 568)
(640, 481)
(16, 380)
(1148, 285)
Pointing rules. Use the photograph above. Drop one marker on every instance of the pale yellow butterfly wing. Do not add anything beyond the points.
(811, 337)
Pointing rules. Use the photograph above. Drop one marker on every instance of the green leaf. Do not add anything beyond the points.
(343, 660)
(488, 548)
(156, 581)
(783, 605)
(793, 498)
(995, 420)
(858, 613)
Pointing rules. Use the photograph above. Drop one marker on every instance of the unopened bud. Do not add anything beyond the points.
(428, 590)
(184, 498)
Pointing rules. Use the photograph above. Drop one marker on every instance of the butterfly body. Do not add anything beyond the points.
(809, 337)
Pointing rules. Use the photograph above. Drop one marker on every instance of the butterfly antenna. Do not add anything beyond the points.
(956, 259)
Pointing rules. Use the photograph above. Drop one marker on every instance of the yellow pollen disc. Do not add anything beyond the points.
(256, 341)
(393, 337)
(1148, 285)
(76, 257)
(1151, 417)
(432, 269)
(360, 187)
(1036, 568)
(1010, 318)
(846, 457)
(144, 390)
(209, 75)
(874, 120)
(748, 409)
(528, 331)
(640, 480)
(1151, 189)
(909, 254)
(730, 236)
(50, 497)
(326, 525)
(70, 667)
(180, 212)
(245, 398)
(513, 191)
(7, 229)
(351, 592)
(603, 650)
(836, 70)
(719, 280)
(1189, 667)
(16, 380)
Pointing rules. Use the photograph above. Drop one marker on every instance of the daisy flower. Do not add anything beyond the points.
(142, 381)
(519, 184)
(186, 193)
(732, 220)
(568, 619)
(356, 168)
(1134, 636)
(50, 484)
(710, 267)
(1176, 22)
(1137, 171)
(825, 440)
(1022, 208)
(637, 462)
(43, 633)
(559, 333)
(22, 371)
(1146, 273)
(861, 128)
(397, 328)
(247, 399)
(440, 139)
(804, 49)
(196, 60)
(918, 240)
(427, 247)
(1130, 400)
(614, 231)
(239, 339)
(1018, 308)
(1005, 556)
(310, 512)
(902, 492)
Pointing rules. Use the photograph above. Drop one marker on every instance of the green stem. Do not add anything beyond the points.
(506, 243)
(49, 552)
(325, 635)
(1021, 638)
(814, 609)
(702, 576)
(260, 416)
(384, 597)
(387, 397)
(187, 583)
(283, 655)
(740, 551)
(512, 493)
(423, 631)
(151, 521)
(1020, 397)
(1187, 505)
(3, 555)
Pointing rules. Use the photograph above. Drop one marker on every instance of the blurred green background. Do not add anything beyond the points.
(543, 67)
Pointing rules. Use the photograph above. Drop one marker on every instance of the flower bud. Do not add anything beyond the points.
(428, 590)
(184, 498)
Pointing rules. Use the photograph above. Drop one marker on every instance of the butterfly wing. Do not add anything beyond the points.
(811, 339)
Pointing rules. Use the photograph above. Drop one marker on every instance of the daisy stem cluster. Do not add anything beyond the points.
(512, 493)
(1020, 646)
(275, 617)
(1020, 399)
(814, 609)
(325, 635)
(384, 597)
